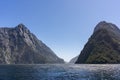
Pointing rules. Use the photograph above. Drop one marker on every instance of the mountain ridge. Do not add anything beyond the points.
(19, 46)
(73, 60)
(103, 46)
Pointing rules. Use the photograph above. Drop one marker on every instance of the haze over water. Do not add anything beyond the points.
(60, 72)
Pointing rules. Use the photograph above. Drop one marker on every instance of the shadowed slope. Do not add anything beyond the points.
(103, 46)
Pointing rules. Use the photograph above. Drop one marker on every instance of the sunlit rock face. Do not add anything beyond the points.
(19, 46)
(103, 46)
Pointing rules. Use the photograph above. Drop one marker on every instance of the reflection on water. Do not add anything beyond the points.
(60, 72)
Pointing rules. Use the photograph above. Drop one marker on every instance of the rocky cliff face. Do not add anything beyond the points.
(103, 46)
(19, 46)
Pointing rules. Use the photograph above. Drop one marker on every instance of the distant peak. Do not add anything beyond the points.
(21, 24)
(103, 22)
(105, 25)
(22, 27)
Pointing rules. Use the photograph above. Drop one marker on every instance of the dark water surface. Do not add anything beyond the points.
(60, 72)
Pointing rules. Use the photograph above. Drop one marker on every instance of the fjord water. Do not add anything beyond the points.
(60, 72)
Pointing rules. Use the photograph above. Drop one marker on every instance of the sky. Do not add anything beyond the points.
(63, 25)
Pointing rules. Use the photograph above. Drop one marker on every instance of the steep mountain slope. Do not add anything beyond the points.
(103, 46)
(19, 46)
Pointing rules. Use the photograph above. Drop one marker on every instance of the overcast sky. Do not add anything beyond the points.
(63, 25)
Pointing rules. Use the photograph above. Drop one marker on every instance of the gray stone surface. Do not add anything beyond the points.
(19, 46)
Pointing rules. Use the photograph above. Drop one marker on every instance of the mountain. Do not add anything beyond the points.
(73, 60)
(103, 46)
(19, 46)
